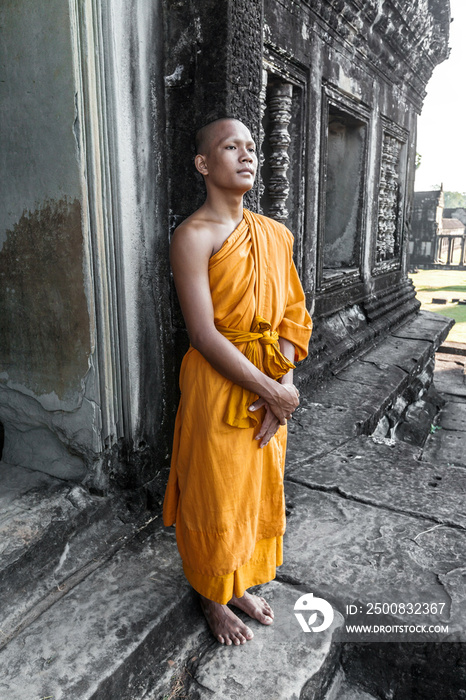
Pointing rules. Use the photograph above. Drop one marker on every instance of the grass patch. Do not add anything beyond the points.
(443, 284)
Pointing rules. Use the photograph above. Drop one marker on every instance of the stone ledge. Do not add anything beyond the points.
(356, 398)
(451, 348)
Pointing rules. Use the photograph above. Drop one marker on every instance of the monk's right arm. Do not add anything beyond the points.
(190, 251)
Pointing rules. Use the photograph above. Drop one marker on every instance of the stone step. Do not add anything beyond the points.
(451, 347)
(132, 629)
(355, 399)
(51, 532)
(390, 476)
(354, 553)
(449, 376)
(113, 635)
(281, 662)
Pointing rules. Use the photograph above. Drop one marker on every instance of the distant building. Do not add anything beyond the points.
(438, 235)
(425, 226)
(458, 213)
(450, 243)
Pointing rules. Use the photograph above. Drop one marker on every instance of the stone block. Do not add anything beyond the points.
(353, 553)
(387, 476)
(51, 536)
(315, 430)
(449, 375)
(453, 416)
(409, 354)
(446, 447)
(112, 635)
(281, 661)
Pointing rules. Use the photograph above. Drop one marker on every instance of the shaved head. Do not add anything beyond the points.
(206, 134)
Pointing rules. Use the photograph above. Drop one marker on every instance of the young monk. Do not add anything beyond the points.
(245, 313)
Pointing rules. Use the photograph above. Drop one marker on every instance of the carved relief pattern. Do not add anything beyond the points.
(387, 233)
(414, 35)
(279, 104)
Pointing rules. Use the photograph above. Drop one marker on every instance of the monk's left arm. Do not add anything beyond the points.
(288, 349)
(296, 325)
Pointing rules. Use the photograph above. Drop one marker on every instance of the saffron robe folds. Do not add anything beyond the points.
(224, 492)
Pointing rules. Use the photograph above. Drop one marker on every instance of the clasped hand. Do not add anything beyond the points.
(276, 412)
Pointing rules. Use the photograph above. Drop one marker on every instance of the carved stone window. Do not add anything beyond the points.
(344, 169)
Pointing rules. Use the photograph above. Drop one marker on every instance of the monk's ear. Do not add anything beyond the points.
(201, 165)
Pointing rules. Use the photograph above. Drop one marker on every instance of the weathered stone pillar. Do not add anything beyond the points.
(279, 105)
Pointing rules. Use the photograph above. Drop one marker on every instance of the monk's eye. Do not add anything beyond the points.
(231, 147)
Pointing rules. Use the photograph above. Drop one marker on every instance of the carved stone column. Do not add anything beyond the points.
(437, 249)
(279, 104)
(450, 250)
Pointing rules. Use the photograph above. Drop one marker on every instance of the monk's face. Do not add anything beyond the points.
(229, 159)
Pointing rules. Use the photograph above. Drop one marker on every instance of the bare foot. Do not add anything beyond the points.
(226, 627)
(255, 606)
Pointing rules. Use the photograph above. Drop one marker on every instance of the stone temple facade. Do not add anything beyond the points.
(100, 101)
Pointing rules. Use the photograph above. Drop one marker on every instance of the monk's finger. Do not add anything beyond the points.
(270, 433)
(257, 404)
(269, 417)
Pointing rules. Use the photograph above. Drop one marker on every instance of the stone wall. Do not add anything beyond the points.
(46, 378)
(102, 102)
(86, 371)
(358, 73)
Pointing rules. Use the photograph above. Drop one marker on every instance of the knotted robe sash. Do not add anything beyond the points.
(271, 360)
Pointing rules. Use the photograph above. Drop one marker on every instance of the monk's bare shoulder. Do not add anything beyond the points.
(193, 238)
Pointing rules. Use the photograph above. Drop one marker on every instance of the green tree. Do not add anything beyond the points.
(453, 200)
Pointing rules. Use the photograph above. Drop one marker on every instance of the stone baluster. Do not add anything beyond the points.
(279, 104)
(260, 150)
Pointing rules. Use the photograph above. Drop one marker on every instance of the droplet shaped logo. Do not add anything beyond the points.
(307, 603)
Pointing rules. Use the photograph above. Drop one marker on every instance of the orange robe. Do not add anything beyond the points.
(224, 492)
